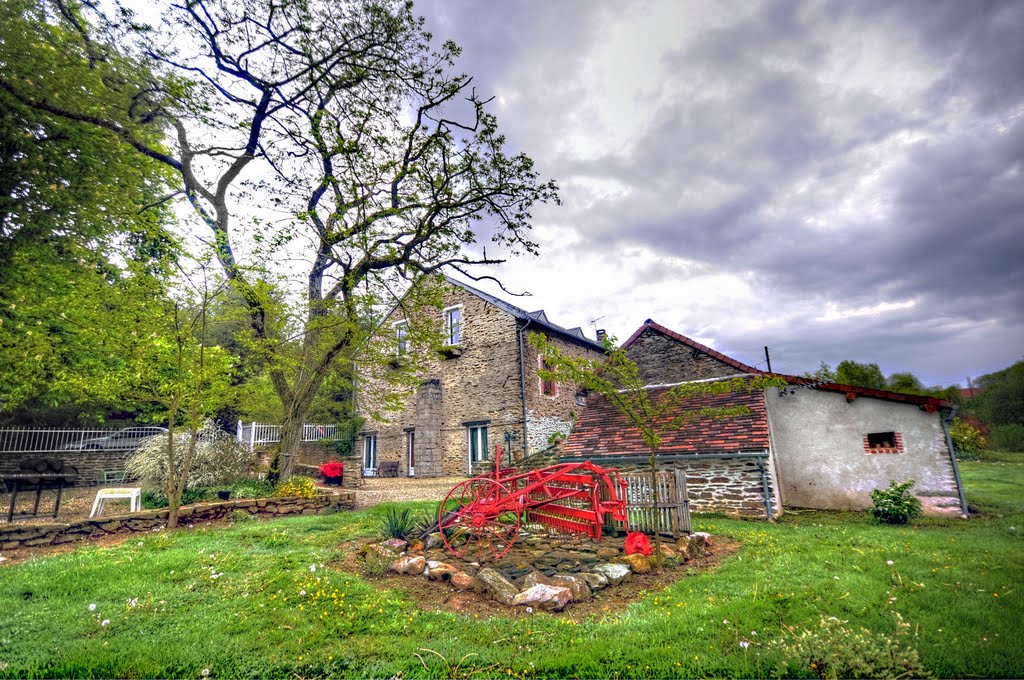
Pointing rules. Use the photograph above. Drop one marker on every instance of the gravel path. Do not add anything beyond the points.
(397, 489)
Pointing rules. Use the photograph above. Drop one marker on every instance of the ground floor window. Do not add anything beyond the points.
(410, 450)
(369, 454)
(477, 445)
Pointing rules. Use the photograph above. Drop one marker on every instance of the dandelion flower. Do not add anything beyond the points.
(205, 672)
(105, 622)
(92, 607)
(744, 644)
(312, 567)
(889, 562)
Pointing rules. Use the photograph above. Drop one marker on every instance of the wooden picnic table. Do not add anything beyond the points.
(25, 481)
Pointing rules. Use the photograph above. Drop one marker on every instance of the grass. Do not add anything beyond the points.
(244, 602)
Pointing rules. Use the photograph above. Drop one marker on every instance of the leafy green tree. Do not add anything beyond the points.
(860, 375)
(339, 117)
(618, 379)
(1001, 396)
(907, 383)
(81, 228)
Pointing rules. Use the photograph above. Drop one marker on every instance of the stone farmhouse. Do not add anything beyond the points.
(810, 445)
(478, 390)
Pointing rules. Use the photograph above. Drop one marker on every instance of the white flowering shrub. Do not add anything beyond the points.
(218, 459)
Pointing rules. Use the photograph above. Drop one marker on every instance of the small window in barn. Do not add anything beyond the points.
(883, 442)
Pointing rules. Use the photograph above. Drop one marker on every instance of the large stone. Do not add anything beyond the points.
(551, 598)
(615, 573)
(574, 582)
(500, 588)
(410, 564)
(595, 581)
(607, 552)
(462, 581)
(395, 544)
(440, 571)
(434, 540)
(638, 562)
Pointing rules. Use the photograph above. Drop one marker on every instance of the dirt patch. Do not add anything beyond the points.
(440, 595)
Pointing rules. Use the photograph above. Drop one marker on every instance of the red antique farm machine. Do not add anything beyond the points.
(480, 517)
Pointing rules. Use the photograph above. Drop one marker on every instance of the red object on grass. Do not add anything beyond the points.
(637, 542)
(332, 468)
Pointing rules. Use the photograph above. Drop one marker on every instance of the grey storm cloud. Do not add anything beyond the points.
(863, 154)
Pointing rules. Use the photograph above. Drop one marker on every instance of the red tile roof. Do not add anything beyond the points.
(603, 430)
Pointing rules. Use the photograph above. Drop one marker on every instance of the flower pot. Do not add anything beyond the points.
(332, 481)
(224, 495)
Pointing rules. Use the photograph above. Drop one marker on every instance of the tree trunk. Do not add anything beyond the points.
(288, 448)
(171, 484)
(656, 509)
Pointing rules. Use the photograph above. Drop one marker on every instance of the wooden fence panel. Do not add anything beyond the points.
(673, 502)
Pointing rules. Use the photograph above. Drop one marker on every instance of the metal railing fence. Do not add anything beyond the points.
(48, 440)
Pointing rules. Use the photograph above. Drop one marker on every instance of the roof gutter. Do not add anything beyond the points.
(522, 381)
(946, 419)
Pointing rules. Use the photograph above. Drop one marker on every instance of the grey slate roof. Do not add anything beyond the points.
(537, 318)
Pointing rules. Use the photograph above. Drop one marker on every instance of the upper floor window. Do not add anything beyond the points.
(453, 326)
(549, 388)
(402, 337)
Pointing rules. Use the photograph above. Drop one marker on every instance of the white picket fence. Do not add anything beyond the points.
(257, 434)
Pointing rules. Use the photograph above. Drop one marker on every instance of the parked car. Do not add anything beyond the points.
(129, 438)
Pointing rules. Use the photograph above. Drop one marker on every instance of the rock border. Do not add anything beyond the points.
(533, 590)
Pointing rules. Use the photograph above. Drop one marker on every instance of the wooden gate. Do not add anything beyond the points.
(673, 502)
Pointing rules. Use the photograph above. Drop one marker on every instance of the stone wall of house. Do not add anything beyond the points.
(20, 536)
(664, 360)
(547, 414)
(480, 385)
(819, 440)
(730, 486)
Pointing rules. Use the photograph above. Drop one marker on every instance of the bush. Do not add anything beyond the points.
(895, 505)
(832, 650)
(968, 441)
(332, 468)
(373, 560)
(1008, 437)
(156, 499)
(251, 488)
(219, 458)
(398, 523)
(296, 485)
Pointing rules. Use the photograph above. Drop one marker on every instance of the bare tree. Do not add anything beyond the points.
(380, 165)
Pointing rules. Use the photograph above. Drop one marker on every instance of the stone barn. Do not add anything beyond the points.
(809, 445)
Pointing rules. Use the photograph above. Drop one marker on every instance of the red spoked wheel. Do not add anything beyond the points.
(480, 519)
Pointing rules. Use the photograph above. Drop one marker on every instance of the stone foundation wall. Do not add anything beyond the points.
(89, 463)
(14, 536)
(731, 486)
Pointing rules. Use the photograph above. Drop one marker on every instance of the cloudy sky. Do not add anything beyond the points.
(834, 180)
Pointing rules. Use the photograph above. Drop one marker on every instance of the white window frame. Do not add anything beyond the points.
(540, 381)
(401, 337)
(369, 455)
(410, 452)
(448, 325)
(473, 436)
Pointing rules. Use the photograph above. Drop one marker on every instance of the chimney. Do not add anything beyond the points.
(600, 335)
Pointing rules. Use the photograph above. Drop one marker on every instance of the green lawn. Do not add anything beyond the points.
(229, 600)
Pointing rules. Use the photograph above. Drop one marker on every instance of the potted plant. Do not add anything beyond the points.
(332, 471)
(224, 494)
